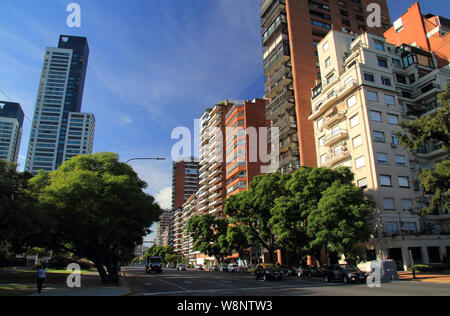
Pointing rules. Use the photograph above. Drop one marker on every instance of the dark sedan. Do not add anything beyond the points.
(268, 273)
(344, 273)
(313, 272)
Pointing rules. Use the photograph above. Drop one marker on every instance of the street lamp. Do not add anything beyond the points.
(159, 159)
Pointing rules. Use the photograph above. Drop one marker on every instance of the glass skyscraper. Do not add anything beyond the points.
(11, 124)
(59, 130)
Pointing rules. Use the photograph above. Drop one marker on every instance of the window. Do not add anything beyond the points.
(369, 77)
(386, 81)
(395, 141)
(400, 160)
(324, 159)
(397, 63)
(328, 62)
(321, 140)
(360, 162)
(326, 46)
(375, 116)
(410, 227)
(352, 101)
(382, 159)
(357, 141)
(390, 100)
(330, 78)
(393, 119)
(391, 227)
(389, 204)
(385, 181)
(407, 204)
(382, 62)
(372, 96)
(320, 125)
(378, 137)
(363, 183)
(379, 45)
(354, 121)
(403, 182)
(400, 78)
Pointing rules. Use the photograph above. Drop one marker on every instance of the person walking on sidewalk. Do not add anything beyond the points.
(41, 275)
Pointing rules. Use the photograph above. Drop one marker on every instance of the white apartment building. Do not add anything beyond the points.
(368, 86)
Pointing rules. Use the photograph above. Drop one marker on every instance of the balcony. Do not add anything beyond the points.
(269, 6)
(333, 118)
(335, 137)
(430, 151)
(280, 57)
(216, 211)
(214, 181)
(337, 157)
(324, 104)
(279, 80)
(216, 187)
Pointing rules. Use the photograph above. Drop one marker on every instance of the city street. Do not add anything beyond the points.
(203, 283)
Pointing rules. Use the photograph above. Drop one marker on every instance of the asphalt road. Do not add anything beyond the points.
(202, 283)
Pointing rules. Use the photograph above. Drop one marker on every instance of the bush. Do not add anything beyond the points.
(432, 267)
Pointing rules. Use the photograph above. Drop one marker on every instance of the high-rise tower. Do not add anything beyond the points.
(57, 133)
(11, 124)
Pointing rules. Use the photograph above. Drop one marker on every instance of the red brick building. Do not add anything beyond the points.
(429, 32)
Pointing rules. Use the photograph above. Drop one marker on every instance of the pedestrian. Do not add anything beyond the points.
(41, 274)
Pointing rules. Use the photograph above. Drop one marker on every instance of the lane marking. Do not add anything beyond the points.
(240, 289)
(175, 285)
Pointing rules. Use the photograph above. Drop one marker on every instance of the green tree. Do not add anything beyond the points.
(252, 210)
(303, 191)
(209, 235)
(341, 220)
(237, 239)
(100, 208)
(159, 251)
(21, 224)
(432, 129)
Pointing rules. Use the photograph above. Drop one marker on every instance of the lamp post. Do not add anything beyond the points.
(133, 159)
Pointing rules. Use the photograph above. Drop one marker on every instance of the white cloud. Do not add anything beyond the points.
(124, 118)
(164, 198)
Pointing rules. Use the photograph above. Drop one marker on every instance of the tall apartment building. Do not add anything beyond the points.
(291, 31)
(190, 209)
(57, 131)
(184, 181)
(162, 228)
(429, 32)
(355, 116)
(11, 126)
(212, 178)
(243, 122)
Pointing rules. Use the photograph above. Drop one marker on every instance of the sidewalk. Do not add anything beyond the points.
(425, 277)
(90, 287)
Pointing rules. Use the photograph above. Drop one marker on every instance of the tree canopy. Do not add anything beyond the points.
(432, 129)
(100, 209)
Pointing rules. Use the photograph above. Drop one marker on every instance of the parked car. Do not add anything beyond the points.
(181, 267)
(232, 267)
(170, 266)
(214, 268)
(344, 273)
(223, 267)
(268, 273)
(313, 272)
(199, 267)
(288, 271)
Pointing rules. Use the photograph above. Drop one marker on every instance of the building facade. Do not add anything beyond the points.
(291, 31)
(59, 100)
(429, 32)
(355, 116)
(212, 178)
(11, 126)
(162, 229)
(184, 181)
(244, 122)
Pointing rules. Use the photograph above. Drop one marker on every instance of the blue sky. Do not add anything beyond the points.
(154, 65)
